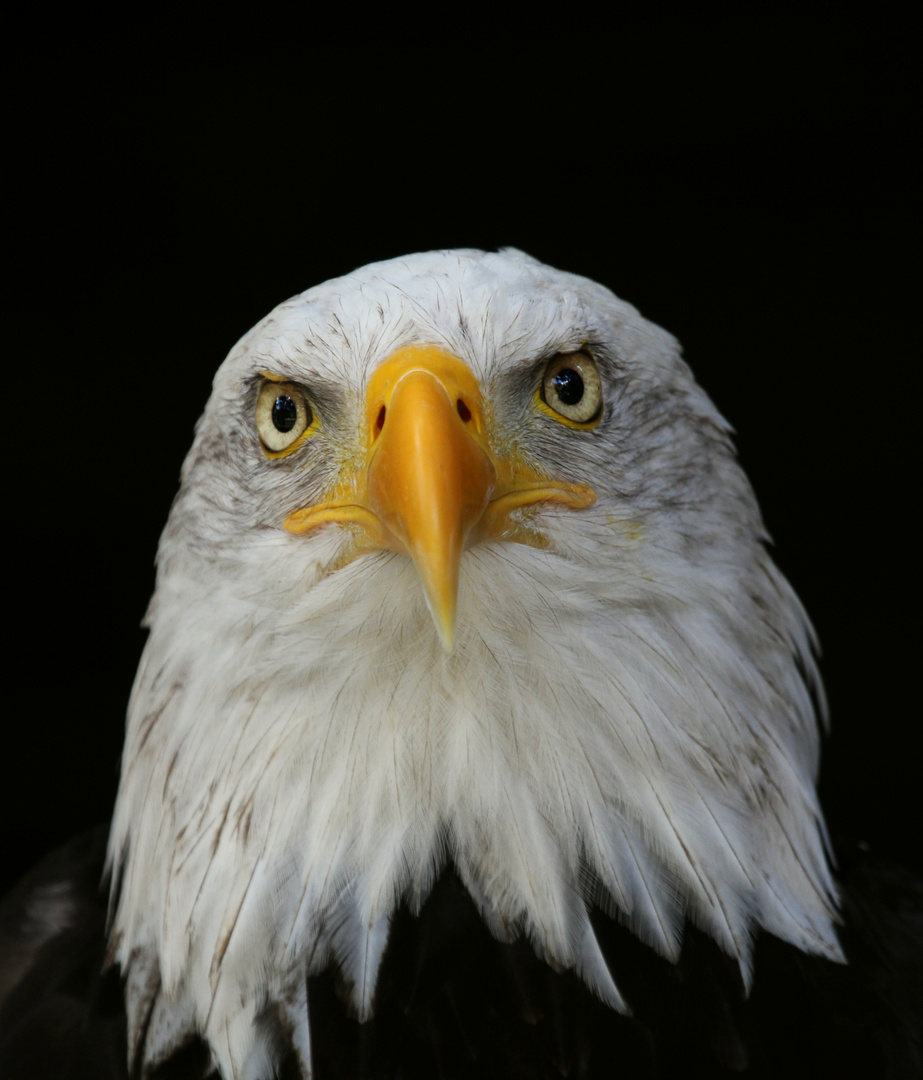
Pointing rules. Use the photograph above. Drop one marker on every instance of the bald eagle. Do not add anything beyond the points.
(475, 733)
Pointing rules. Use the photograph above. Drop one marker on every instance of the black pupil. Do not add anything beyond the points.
(568, 385)
(284, 413)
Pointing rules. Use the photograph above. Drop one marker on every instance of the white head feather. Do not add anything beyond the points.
(624, 720)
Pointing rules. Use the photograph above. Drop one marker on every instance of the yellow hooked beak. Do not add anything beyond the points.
(430, 486)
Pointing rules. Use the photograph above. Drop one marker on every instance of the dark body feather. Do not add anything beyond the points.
(454, 1002)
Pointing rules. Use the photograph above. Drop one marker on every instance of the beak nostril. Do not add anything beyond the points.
(463, 411)
(380, 421)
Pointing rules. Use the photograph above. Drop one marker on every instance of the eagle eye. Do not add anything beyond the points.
(283, 415)
(572, 390)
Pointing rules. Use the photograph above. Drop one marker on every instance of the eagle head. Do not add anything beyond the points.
(462, 572)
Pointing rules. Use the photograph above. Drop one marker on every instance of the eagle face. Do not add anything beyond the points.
(462, 571)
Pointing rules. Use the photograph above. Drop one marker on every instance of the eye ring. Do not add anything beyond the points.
(283, 415)
(571, 389)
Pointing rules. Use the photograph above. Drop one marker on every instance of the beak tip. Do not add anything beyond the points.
(445, 627)
(439, 577)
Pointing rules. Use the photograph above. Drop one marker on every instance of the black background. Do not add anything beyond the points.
(741, 176)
